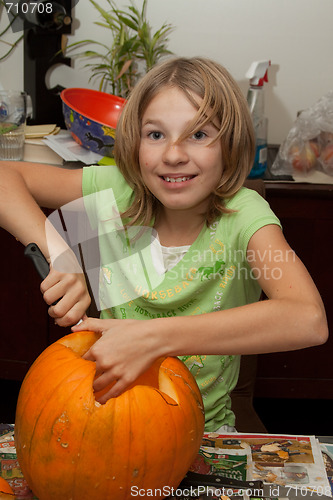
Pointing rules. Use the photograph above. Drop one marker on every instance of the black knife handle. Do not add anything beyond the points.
(34, 253)
(195, 479)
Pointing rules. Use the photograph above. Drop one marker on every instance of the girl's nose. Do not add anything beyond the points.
(175, 153)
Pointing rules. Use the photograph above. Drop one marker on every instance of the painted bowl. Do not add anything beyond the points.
(91, 116)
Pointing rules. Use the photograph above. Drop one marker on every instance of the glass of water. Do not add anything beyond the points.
(15, 106)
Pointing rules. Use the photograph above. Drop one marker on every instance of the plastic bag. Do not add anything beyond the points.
(309, 144)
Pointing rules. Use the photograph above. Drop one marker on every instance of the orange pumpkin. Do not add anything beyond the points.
(71, 447)
(6, 491)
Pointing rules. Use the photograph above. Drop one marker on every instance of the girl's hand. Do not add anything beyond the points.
(70, 290)
(126, 349)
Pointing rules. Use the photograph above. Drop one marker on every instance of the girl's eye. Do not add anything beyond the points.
(199, 135)
(155, 135)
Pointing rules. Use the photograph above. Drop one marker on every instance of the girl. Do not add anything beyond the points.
(184, 147)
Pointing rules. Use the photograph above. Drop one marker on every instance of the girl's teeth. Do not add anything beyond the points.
(177, 179)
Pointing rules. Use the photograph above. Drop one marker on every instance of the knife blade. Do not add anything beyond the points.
(254, 489)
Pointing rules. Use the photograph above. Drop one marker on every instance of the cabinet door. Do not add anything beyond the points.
(24, 323)
(306, 214)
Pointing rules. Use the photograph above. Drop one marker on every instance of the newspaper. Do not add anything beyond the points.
(281, 460)
(65, 146)
(9, 466)
(327, 453)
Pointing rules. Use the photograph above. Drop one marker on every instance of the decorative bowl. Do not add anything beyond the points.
(91, 116)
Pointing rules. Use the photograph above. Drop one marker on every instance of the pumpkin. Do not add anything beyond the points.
(70, 447)
(6, 491)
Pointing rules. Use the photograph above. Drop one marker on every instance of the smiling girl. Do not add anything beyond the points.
(184, 147)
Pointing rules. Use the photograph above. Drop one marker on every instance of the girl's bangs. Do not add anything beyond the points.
(205, 114)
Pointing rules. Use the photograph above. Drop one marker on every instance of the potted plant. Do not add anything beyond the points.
(133, 48)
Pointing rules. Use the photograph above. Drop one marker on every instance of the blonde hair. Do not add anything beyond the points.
(222, 102)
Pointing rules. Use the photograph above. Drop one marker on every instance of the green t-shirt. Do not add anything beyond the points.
(213, 275)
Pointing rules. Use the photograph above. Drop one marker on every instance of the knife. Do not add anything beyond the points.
(254, 489)
(33, 252)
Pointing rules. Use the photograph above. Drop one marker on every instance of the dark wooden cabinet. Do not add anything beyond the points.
(306, 214)
(25, 327)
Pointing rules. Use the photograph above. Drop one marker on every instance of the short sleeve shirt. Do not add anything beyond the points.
(213, 275)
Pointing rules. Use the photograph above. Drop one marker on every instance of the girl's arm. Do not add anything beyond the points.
(24, 188)
(292, 318)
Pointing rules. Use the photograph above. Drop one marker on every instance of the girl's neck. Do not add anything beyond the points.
(176, 229)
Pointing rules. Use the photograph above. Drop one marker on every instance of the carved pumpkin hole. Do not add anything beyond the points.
(168, 387)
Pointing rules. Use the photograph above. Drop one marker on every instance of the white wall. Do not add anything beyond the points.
(296, 35)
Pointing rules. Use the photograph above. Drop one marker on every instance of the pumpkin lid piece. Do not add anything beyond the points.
(6, 491)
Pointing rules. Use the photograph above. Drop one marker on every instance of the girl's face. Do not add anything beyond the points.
(181, 175)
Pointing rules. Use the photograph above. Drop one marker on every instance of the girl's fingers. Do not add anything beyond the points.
(88, 356)
(71, 317)
(92, 324)
(69, 310)
(117, 388)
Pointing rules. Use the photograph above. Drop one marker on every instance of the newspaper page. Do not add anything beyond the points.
(327, 453)
(285, 460)
(9, 466)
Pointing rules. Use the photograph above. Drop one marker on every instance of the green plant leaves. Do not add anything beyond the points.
(131, 42)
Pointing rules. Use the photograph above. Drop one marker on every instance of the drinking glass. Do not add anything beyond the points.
(15, 106)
